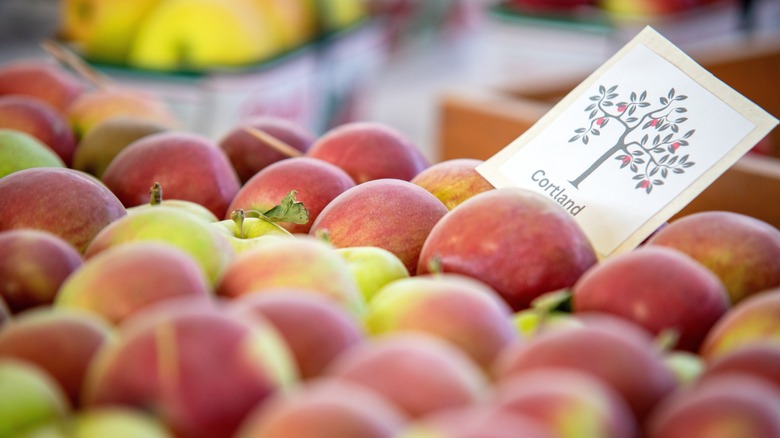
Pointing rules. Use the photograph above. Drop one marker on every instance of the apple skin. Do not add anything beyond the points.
(391, 214)
(115, 421)
(40, 120)
(744, 252)
(30, 397)
(460, 310)
(540, 249)
(315, 328)
(453, 181)
(728, 406)
(68, 203)
(476, 421)
(303, 262)
(658, 288)
(753, 320)
(40, 79)
(250, 155)
(200, 370)
(368, 151)
(33, 267)
(188, 167)
(61, 343)
(20, 150)
(417, 372)
(256, 231)
(325, 408)
(316, 183)
(124, 279)
(571, 403)
(758, 360)
(372, 268)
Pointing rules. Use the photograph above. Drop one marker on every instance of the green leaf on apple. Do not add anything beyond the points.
(288, 210)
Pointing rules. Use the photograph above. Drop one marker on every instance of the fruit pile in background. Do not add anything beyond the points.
(277, 283)
(619, 8)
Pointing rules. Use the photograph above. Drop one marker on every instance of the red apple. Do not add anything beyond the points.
(744, 252)
(520, 243)
(42, 80)
(188, 167)
(68, 203)
(389, 213)
(315, 182)
(33, 267)
(758, 360)
(369, 151)
(40, 120)
(453, 181)
(476, 421)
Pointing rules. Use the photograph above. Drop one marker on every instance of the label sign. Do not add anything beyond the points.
(633, 144)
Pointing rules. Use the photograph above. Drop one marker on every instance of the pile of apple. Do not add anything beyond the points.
(274, 283)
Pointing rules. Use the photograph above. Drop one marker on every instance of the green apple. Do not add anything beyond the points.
(29, 397)
(373, 267)
(156, 199)
(114, 422)
(20, 150)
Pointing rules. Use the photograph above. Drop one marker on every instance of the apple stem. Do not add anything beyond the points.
(155, 194)
(435, 266)
(323, 235)
(274, 142)
(75, 62)
(667, 339)
(238, 216)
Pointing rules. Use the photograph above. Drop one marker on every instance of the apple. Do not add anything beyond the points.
(98, 147)
(170, 226)
(68, 203)
(519, 242)
(115, 421)
(315, 182)
(744, 252)
(200, 370)
(369, 151)
(187, 165)
(124, 279)
(475, 421)
(249, 154)
(372, 268)
(316, 329)
(460, 310)
(303, 262)
(752, 320)
(687, 366)
(30, 397)
(33, 267)
(5, 313)
(41, 120)
(453, 181)
(759, 360)
(388, 213)
(419, 373)
(42, 79)
(658, 288)
(726, 406)
(62, 343)
(156, 199)
(325, 408)
(245, 233)
(20, 150)
(571, 403)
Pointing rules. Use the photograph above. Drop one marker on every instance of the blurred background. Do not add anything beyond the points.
(444, 72)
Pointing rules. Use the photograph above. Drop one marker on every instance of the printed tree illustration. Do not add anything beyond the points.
(651, 157)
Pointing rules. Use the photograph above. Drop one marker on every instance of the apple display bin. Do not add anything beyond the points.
(318, 86)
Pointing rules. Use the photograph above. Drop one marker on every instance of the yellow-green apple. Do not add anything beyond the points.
(33, 267)
(744, 252)
(419, 373)
(571, 403)
(315, 182)
(519, 242)
(372, 268)
(453, 181)
(20, 150)
(472, 421)
(315, 328)
(325, 408)
(369, 151)
(725, 406)
(114, 421)
(658, 288)
(628, 363)
(122, 280)
(29, 398)
(303, 262)
(41, 120)
(68, 203)
(193, 365)
(388, 213)
(187, 165)
(171, 226)
(156, 199)
(62, 343)
(249, 154)
(759, 360)
(687, 366)
(460, 310)
(245, 233)
(340, 14)
(549, 311)
(295, 22)
(752, 320)
(106, 139)
(40, 79)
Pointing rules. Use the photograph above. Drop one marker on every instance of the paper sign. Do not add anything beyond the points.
(633, 144)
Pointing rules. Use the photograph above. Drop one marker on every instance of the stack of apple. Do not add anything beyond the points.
(276, 283)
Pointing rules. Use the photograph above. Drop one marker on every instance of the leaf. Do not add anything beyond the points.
(621, 157)
(634, 168)
(631, 119)
(637, 153)
(663, 159)
(678, 170)
(288, 210)
(681, 120)
(607, 103)
(671, 93)
(681, 110)
(689, 133)
(633, 96)
(653, 172)
(644, 139)
(624, 164)
(595, 131)
(649, 189)
(658, 150)
(639, 161)
(656, 139)
(631, 111)
(683, 142)
(635, 177)
(593, 113)
(673, 160)
(639, 184)
(585, 139)
(643, 96)
(602, 90)
(594, 98)
(667, 138)
(663, 100)
(580, 130)
(612, 88)
(574, 138)
(590, 107)
(674, 128)
(688, 164)
(681, 97)
(658, 182)
(644, 104)
(684, 158)
(664, 172)
(612, 95)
